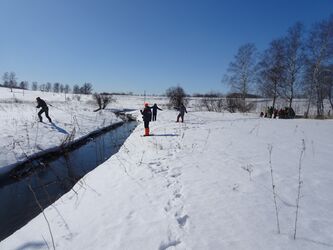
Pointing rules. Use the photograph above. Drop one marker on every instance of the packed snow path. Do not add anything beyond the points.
(202, 184)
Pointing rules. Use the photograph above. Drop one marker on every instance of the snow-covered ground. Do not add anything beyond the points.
(201, 184)
(22, 135)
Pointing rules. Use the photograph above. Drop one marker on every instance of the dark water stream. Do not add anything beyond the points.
(54, 176)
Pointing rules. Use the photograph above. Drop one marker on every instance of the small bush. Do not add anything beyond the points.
(76, 97)
(238, 104)
(213, 104)
(102, 100)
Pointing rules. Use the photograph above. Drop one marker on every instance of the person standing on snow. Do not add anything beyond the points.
(42, 104)
(182, 111)
(155, 108)
(146, 116)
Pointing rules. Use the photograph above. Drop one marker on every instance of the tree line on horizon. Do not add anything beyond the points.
(9, 80)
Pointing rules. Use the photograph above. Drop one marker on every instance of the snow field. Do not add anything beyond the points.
(202, 184)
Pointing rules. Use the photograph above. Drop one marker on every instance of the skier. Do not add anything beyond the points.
(182, 111)
(146, 116)
(42, 104)
(155, 108)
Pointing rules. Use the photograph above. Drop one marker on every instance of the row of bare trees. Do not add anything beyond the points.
(49, 87)
(9, 80)
(298, 64)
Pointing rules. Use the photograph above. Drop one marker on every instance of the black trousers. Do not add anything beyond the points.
(146, 124)
(154, 117)
(180, 116)
(46, 110)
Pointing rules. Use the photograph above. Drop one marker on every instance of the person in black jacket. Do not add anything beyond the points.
(146, 116)
(42, 104)
(155, 108)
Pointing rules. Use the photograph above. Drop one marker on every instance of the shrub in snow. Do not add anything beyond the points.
(102, 100)
(300, 182)
(270, 148)
(238, 104)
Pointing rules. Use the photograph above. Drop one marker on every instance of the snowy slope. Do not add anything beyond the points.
(203, 184)
(22, 134)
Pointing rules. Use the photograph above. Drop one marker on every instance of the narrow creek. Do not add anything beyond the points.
(45, 179)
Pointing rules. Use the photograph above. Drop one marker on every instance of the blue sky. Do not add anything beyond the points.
(141, 45)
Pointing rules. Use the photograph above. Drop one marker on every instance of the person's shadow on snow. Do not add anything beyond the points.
(165, 135)
(61, 130)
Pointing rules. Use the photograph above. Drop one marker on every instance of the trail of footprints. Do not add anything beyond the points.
(175, 205)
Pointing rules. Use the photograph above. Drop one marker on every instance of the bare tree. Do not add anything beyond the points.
(76, 89)
(272, 70)
(34, 86)
(102, 100)
(86, 89)
(320, 53)
(67, 89)
(56, 87)
(329, 85)
(216, 104)
(12, 81)
(326, 78)
(5, 79)
(42, 87)
(48, 87)
(176, 96)
(234, 104)
(294, 56)
(61, 88)
(24, 85)
(241, 72)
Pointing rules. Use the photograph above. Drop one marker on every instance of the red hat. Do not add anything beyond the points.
(146, 104)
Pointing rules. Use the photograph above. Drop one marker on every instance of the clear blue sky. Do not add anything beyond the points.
(137, 45)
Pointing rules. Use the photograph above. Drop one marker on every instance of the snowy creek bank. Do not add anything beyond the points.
(43, 178)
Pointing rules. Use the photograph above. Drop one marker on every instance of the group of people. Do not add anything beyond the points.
(150, 113)
(286, 113)
(147, 115)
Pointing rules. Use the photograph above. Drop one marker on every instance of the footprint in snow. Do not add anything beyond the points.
(175, 175)
(235, 187)
(130, 215)
(172, 243)
(168, 207)
(182, 220)
(155, 163)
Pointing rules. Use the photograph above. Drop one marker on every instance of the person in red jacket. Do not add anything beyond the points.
(146, 116)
